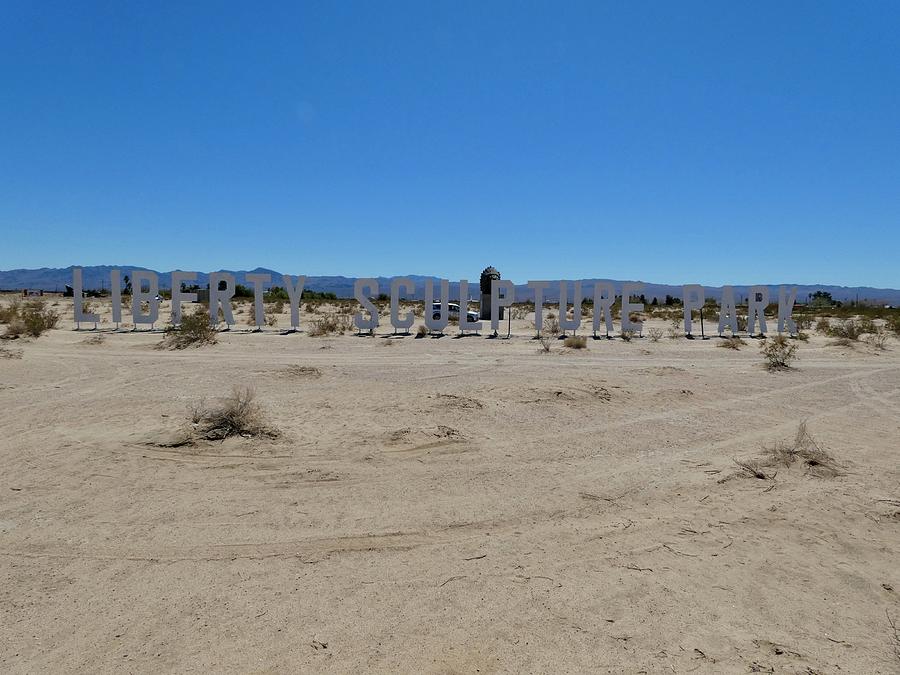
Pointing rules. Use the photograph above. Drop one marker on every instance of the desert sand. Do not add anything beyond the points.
(445, 505)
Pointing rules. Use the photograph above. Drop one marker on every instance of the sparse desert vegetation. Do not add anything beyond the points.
(303, 371)
(575, 342)
(546, 342)
(238, 414)
(778, 352)
(30, 318)
(894, 636)
(877, 339)
(893, 325)
(754, 469)
(195, 331)
(803, 450)
(271, 311)
(332, 323)
(848, 329)
(355, 463)
(732, 342)
(551, 324)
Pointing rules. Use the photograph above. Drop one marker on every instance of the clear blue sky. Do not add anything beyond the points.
(671, 142)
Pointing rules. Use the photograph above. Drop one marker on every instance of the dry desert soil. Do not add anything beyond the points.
(447, 505)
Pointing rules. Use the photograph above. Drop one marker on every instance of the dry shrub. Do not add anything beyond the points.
(575, 342)
(778, 352)
(31, 318)
(674, 330)
(878, 339)
(815, 460)
(270, 314)
(733, 342)
(422, 331)
(626, 335)
(546, 341)
(841, 342)
(893, 325)
(895, 635)
(803, 337)
(867, 325)
(654, 334)
(823, 326)
(754, 469)
(551, 324)
(850, 329)
(331, 324)
(238, 415)
(195, 331)
(303, 371)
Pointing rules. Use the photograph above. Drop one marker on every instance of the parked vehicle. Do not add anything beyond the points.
(452, 311)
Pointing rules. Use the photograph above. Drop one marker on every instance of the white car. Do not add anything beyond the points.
(452, 311)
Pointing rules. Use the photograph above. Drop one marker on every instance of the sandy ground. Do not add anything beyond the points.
(445, 505)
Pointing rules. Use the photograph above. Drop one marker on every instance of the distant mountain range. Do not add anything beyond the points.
(56, 278)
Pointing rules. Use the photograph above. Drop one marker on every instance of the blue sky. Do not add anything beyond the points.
(669, 142)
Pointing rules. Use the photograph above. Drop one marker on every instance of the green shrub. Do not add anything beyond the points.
(319, 295)
(31, 318)
(10, 312)
(778, 352)
(195, 331)
(277, 293)
(241, 291)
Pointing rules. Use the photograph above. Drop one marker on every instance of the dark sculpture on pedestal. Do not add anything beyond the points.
(487, 276)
